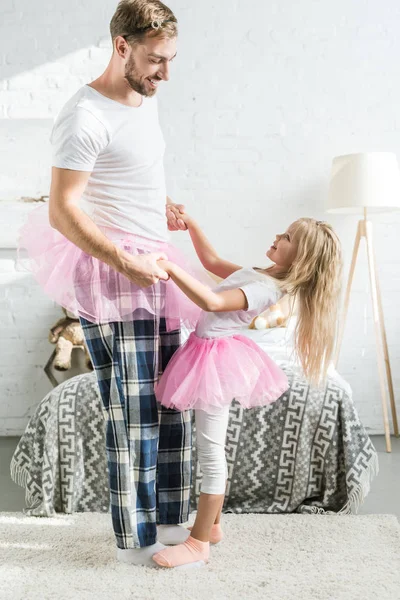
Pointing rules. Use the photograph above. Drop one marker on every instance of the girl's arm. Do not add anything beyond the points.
(206, 299)
(205, 251)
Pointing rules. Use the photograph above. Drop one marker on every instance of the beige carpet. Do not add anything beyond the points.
(277, 557)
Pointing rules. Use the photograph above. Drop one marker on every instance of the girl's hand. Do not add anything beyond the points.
(144, 269)
(165, 265)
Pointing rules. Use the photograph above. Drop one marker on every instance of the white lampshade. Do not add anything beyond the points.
(366, 180)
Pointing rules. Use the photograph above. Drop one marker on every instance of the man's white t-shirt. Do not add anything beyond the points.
(123, 148)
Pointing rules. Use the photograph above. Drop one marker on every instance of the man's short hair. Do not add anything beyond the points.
(135, 19)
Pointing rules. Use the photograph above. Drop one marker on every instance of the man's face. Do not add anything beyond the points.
(149, 63)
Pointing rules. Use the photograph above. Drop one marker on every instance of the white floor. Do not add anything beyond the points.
(282, 557)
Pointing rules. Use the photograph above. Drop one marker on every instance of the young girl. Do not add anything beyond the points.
(216, 364)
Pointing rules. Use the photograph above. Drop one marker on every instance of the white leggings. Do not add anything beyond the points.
(211, 434)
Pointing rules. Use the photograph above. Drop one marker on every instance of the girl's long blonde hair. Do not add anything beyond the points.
(314, 281)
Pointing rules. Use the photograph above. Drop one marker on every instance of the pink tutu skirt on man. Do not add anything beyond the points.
(91, 288)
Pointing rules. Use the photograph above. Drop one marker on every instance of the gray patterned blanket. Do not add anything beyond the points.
(307, 453)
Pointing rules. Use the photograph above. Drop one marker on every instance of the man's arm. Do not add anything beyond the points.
(67, 187)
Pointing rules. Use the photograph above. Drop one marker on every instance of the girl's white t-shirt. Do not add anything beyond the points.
(123, 148)
(261, 291)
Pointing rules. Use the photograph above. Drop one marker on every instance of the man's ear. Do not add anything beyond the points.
(121, 46)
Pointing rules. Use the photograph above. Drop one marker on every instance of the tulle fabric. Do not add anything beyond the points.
(208, 373)
(92, 289)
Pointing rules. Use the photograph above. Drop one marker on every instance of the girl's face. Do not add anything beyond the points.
(284, 249)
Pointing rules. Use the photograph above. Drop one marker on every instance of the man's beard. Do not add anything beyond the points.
(133, 79)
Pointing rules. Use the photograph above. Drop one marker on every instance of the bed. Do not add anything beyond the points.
(306, 453)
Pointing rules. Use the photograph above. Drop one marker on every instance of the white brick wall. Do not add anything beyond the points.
(262, 96)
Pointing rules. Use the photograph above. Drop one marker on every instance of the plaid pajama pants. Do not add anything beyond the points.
(148, 446)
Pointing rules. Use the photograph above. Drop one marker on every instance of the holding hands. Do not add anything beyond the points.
(177, 219)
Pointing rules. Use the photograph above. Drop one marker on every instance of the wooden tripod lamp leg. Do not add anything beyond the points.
(386, 358)
(347, 296)
(378, 330)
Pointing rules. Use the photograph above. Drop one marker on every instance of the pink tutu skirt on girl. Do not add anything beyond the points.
(208, 373)
(92, 289)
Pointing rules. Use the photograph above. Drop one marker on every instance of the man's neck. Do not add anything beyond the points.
(116, 88)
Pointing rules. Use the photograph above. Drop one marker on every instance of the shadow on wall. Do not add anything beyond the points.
(25, 159)
(33, 33)
(32, 36)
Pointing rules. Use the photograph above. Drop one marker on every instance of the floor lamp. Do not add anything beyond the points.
(366, 183)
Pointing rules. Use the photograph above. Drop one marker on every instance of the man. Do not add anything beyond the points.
(108, 175)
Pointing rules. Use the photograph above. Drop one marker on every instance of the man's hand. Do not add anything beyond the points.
(175, 222)
(143, 269)
(180, 215)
